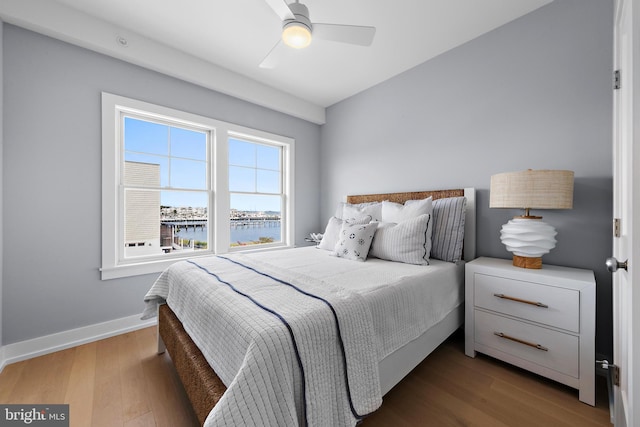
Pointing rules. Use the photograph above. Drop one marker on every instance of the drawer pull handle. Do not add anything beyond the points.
(524, 301)
(530, 344)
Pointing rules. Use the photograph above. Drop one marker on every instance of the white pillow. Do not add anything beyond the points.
(395, 212)
(355, 212)
(332, 232)
(355, 240)
(360, 206)
(408, 241)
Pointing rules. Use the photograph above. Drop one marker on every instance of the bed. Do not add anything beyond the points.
(396, 346)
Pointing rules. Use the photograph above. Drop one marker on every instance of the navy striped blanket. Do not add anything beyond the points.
(292, 350)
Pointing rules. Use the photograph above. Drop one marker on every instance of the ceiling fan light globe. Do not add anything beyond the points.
(296, 35)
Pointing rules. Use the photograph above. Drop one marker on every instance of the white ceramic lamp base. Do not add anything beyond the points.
(528, 238)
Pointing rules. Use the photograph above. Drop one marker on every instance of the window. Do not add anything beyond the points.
(255, 189)
(177, 185)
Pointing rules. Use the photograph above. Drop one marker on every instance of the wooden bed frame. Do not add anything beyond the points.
(204, 388)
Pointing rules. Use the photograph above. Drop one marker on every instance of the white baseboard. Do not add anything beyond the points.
(28, 349)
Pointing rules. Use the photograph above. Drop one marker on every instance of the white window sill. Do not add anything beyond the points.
(157, 266)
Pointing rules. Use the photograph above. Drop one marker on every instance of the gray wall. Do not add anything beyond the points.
(52, 178)
(535, 93)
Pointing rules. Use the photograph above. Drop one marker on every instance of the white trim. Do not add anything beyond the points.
(470, 225)
(35, 347)
(72, 26)
(140, 268)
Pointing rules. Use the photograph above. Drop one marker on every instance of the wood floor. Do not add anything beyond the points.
(121, 381)
(451, 389)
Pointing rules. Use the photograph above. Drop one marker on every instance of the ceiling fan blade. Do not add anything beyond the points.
(274, 55)
(281, 8)
(352, 34)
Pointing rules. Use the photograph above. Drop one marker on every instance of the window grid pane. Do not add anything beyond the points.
(255, 219)
(242, 179)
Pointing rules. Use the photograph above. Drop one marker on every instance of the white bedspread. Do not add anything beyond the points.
(381, 305)
(405, 300)
(283, 358)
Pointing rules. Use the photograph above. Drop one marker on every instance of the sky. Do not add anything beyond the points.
(182, 156)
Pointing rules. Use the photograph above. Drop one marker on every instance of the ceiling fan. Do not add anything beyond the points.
(297, 31)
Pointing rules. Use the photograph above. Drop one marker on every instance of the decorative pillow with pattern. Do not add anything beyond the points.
(355, 240)
(332, 231)
(408, 241)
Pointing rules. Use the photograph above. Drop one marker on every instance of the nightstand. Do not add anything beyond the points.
(540, 320)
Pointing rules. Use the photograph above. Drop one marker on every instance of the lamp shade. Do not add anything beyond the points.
(528, 237)
(532, 189)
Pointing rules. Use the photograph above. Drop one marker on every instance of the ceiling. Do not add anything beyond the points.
(237, 34)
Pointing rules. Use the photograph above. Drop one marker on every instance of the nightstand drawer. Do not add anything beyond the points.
(558, 351)
(558, 307)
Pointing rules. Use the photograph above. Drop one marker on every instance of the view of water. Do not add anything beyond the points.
(238, 233)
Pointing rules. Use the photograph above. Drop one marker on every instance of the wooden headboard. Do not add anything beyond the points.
(470, 216)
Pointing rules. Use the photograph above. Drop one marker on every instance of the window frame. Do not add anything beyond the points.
(113, 107)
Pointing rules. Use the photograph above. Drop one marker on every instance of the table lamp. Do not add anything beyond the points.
(527, 236)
